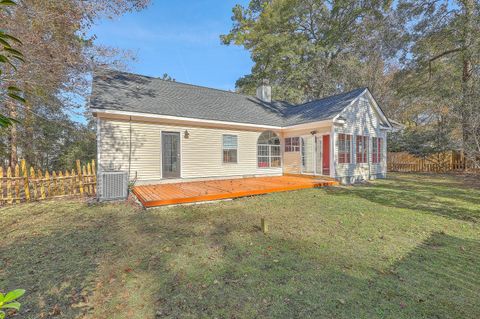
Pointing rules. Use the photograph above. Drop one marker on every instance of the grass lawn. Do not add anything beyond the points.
(406, 247)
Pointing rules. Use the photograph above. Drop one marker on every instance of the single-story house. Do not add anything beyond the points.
(164, 131)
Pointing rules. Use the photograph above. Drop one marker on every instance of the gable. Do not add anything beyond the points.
(364, 113)
(319, 110)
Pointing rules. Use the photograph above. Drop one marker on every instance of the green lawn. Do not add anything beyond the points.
(406, 247)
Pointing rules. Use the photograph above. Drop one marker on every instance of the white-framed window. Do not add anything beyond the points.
(362, 149)
(344, 148)
(230, 148)
(377, 149)
(268, 150)
(292, 144)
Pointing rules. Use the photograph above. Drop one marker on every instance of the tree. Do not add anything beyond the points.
(167, 77)
(419, 58)
(441, 61)
(59, 55)
(309, 48)
(8, 57)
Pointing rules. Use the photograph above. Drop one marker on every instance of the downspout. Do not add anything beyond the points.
(130, 147)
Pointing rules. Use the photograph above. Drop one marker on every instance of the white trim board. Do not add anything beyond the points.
(185, 120)
(180, 119)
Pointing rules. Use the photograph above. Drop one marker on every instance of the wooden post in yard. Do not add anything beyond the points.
(264, 225)
(26, 186)
(94, 181)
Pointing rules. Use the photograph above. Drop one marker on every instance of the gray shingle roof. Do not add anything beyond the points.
(318, 110)
(113, 90)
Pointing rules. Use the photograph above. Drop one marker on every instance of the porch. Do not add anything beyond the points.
(191, 192)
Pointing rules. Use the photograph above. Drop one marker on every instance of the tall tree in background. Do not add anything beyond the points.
(311, 48)
(8, 57)
(59, 55)
(419, 58)
(441, 59)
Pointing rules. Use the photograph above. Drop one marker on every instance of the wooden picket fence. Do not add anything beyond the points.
(436, 163)
(25, 184)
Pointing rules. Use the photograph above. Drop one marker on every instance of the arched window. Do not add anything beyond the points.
(268, 150)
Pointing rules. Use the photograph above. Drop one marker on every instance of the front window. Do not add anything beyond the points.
(376, 150)
(268, 150)
(344, 148)
(362, 149)
(292, 144)
(230, 148)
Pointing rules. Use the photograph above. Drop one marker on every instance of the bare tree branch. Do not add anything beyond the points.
(439, 56)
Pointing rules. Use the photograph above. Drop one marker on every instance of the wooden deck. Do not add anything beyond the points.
(190, 192)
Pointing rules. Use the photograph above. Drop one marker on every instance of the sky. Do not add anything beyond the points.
(180, 38)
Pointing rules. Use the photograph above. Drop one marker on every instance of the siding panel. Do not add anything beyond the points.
(361, 119)
(201, 152)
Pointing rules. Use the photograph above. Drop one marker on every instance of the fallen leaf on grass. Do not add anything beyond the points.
(56, 311)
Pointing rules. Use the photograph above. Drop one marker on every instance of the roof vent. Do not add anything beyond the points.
(264, 92)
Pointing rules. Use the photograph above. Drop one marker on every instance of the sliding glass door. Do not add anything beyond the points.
(314, 149)
(308, 154)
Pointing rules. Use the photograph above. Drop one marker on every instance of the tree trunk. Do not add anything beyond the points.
(29, 152)
(467, 85)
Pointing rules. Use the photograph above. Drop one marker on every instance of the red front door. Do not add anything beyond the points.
(326, 155)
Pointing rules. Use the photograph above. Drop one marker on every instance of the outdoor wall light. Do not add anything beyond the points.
(313, 132)
(341, 120)
(187, 134)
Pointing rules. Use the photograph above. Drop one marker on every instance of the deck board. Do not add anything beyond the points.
(190, 192)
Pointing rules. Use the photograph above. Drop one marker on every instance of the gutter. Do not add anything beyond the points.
(128, 115)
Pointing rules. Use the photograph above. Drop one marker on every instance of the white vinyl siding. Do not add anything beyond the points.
(201, 152)
(361, 120)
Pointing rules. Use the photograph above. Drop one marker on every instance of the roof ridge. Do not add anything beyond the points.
(231, 92)
(333, 96)
(181, 83)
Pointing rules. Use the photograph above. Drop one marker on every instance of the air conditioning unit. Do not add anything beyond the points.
(112, 185)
